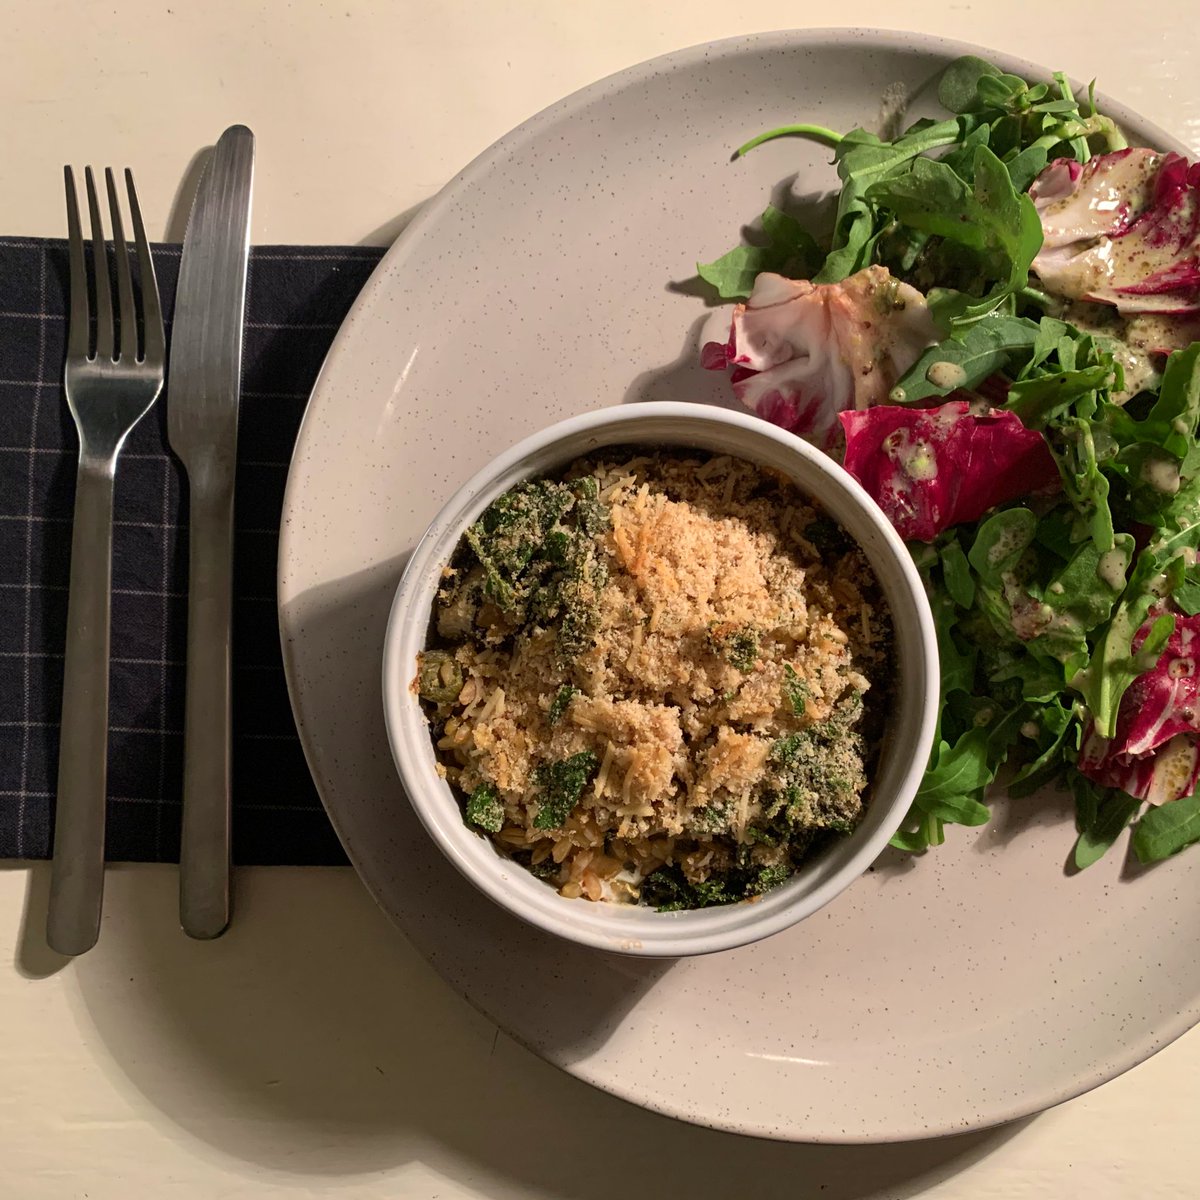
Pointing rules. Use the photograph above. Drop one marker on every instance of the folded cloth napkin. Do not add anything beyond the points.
(297, 298)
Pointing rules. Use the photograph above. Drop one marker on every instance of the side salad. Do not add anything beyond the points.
(1001, 341)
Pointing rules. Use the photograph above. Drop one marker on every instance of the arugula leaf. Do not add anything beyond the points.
(979, 350)
(1113, 814)
(863, 160)
(1087, 799)
(1059, 723)
(1080, 598)
(1166, 830)
(1026, 165)
(1073, 444)
(1161, 449)
(956, 573)
(1000, 542)
(1186, 594)
(1114, 666)
(1001, 90)
(1177, 410)
(789, 250)
(1041, 680)
(955, 779)
(957, 664)
(987, 215)
(912, 840)
(1038, 399)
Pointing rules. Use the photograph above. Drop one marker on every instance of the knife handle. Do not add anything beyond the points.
(205, 845)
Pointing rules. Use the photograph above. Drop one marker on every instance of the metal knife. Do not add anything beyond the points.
(202, 420)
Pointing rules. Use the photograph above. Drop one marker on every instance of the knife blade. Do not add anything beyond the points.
(202, 419)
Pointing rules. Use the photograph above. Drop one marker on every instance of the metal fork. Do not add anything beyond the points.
(109, 389)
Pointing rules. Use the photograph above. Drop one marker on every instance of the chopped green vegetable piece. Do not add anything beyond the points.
(485, 810)
(439, 677)
(743, 649)
(535, 546)
(795, 689)
(827, 537)
(561, 702)
(562, 784)
(738, 644)
(769, 878)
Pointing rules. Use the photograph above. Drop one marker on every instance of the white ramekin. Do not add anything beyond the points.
(640, 930)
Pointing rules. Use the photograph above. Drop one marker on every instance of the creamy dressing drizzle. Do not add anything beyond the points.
(1161, 473)
(946, 375)
(1110, 570)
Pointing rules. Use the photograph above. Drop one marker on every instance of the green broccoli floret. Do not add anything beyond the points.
(562, 784)
(485, 810)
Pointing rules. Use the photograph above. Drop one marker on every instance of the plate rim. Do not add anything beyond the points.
(887, 40)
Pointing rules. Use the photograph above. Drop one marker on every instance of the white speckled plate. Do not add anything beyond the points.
(973, 986)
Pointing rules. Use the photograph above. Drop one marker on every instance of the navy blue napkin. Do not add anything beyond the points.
(297, 298)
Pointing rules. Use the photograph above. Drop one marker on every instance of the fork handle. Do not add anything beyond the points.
(205, 846)
(77, 872)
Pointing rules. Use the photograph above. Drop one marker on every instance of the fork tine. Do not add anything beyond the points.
(153, 340)
(126, 310)
(104, 315)
(77, 328)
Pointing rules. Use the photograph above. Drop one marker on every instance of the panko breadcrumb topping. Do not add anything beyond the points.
(651, 678)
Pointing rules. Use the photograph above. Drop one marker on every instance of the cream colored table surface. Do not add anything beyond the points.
(311, 1051)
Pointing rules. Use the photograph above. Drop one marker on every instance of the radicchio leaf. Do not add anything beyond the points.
(1122, 230)
(932, 468)
(803, 352)
(1155, 754)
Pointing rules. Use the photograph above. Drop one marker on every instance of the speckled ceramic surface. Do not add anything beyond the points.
(973, 986)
